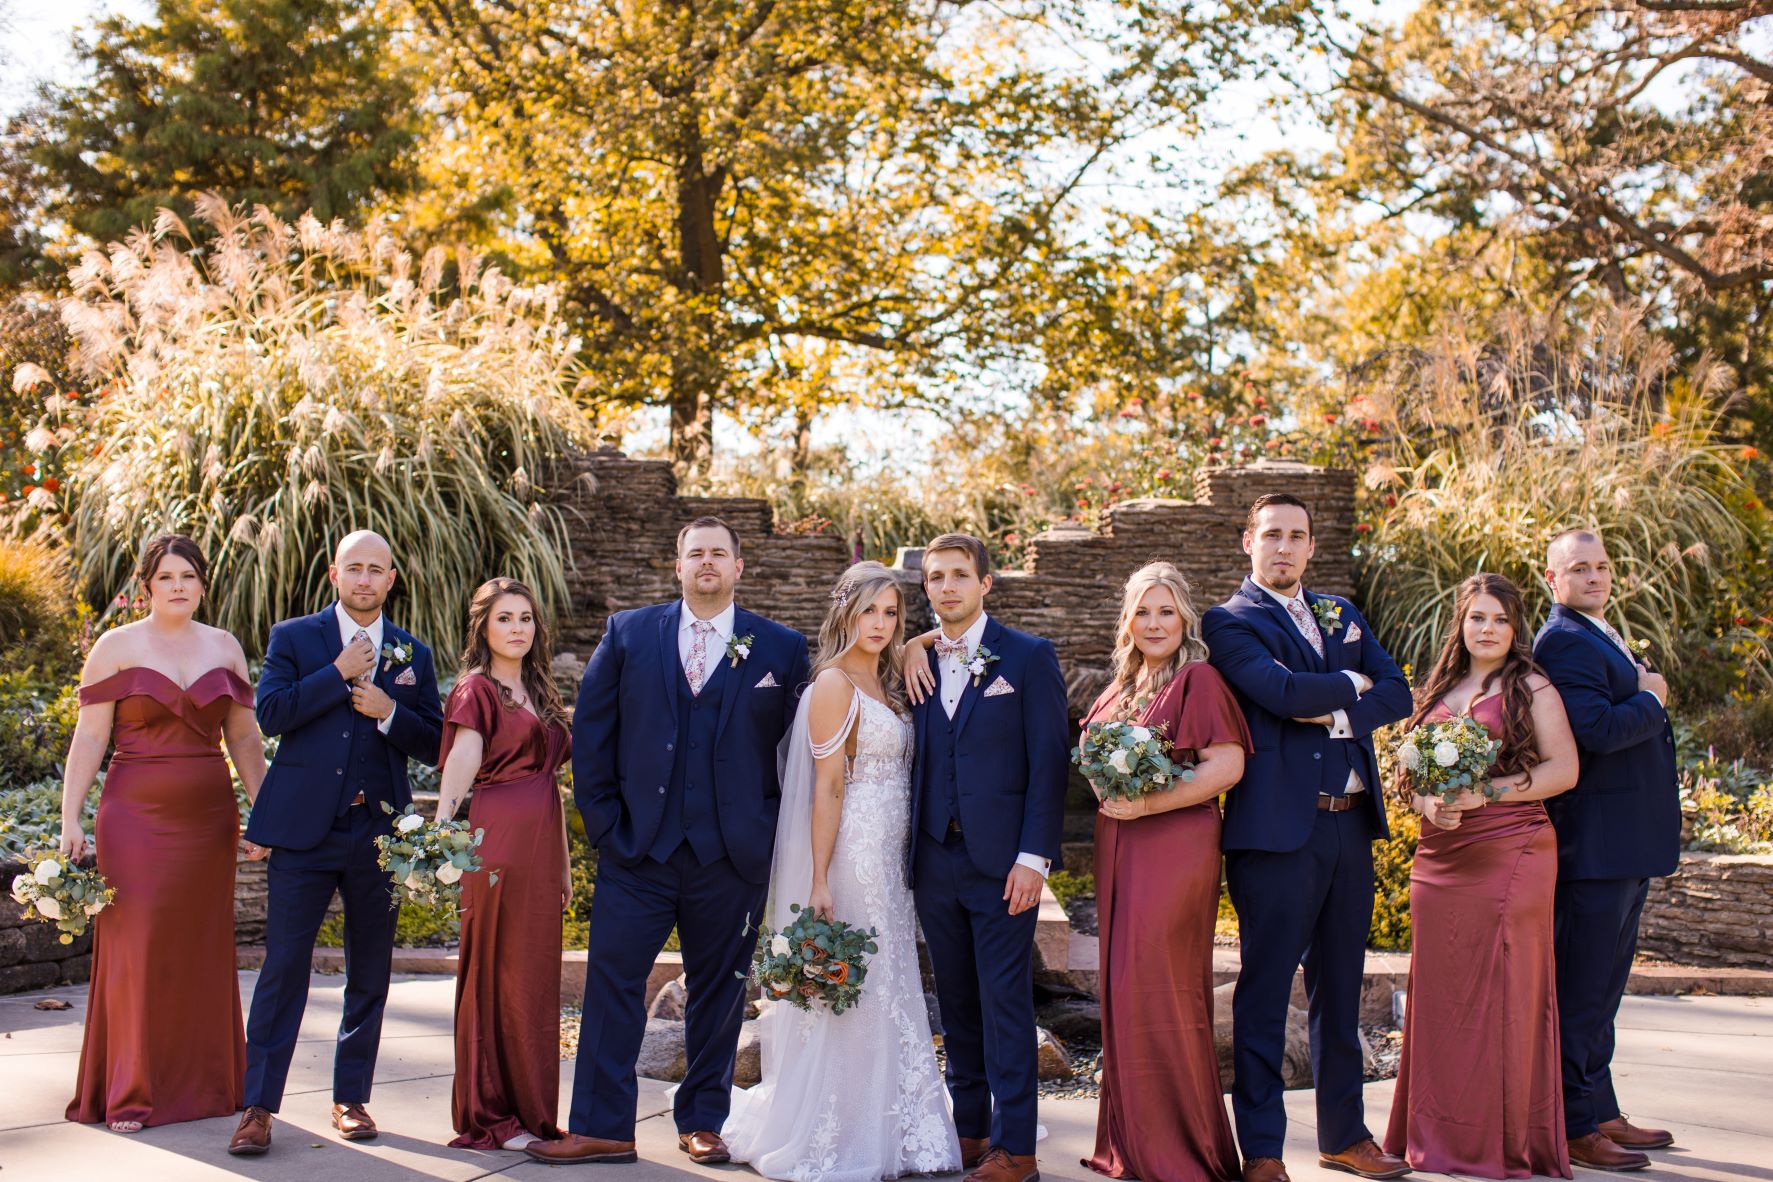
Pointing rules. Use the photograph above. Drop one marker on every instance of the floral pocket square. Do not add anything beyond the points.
(407, 677)
(1354, 634)
(769, 680)
(999, 687)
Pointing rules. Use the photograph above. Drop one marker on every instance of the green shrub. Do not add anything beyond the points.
(285, 385)
(1494, 448)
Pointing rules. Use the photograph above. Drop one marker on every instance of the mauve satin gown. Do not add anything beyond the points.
(1479, 1090)
(164, 1037)
(508, 984)
(1161, 1116)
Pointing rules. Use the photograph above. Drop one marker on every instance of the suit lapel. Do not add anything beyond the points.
(974, 687)
(669, 667)
(1310, 661)
(743, 623)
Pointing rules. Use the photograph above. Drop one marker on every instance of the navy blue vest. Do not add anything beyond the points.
(366, 768)
(941, 792)
(691, 813)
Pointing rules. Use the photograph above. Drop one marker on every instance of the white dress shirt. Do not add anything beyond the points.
(1609, 631)
(951, 669)
(1338, 728)
(716, 640)
(348, 630)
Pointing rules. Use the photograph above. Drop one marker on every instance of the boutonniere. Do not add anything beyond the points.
(395, 654)
(739, 647)
(1329, 615)
(977, 663)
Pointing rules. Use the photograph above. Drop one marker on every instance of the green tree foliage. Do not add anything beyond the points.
(766, 206)
(297, 105)
(287, 384)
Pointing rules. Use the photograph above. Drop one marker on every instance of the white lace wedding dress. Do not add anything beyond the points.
(857, 1096)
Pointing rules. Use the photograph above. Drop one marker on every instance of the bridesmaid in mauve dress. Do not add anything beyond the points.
(505, 737)
(1162, 1113)
(1479, 1090)
(164, 1040)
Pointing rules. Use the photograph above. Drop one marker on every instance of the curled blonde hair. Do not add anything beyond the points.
(1127, 661)
(855, 590)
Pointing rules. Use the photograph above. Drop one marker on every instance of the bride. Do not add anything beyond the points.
(857, 1096)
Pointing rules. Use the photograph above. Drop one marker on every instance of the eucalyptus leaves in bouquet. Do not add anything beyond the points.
(1446, 758)
(55, 890)
(428, 859)
(1124, 760)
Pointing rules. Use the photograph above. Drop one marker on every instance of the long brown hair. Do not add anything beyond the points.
(1128, 661)
(855, 590)
(538, 678)
(1520, 750)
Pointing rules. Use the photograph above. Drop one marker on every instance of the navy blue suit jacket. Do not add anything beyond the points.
(625, 726)
(302, 698)
(1012, 754)
(1623, 818)
(1279, 677)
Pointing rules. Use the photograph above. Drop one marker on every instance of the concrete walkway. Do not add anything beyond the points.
(1700, 1065)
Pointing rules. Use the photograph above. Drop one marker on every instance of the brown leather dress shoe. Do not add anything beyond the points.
(253, 1136)
(1000, 1165)
(1621, 1131)
(705, 1149)
(1597, 1152)
(574, 1150)
(972, 1151)
(1266, 1169)
(353, 1122)
(1366, 1159)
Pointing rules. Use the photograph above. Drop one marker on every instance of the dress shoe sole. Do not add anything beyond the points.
(1327, 1164)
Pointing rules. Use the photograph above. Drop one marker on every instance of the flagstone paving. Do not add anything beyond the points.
(1702, 1065)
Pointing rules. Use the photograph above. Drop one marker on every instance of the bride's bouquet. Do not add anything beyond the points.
(1445, 758)
(427, 859)
(55, 890)
(1125, 761)
(813, 959)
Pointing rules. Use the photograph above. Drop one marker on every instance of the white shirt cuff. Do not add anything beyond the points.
(387, 722)
(1041, 866)
(1339, 728)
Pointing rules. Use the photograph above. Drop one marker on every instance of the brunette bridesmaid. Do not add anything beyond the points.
(164, 1040)
(505, 737)
(1162, 1114)
(1479, 1091)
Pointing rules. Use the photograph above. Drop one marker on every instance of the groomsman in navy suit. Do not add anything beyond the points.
(353, 698)
(1619, 827)
(987, 802)
(675, 733)
(1314, 685)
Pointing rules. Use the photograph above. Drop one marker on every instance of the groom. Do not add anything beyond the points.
(1299, 830)
(353, 698)
(988, 797)
(674, 770)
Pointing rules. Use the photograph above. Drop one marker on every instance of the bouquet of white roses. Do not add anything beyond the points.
(1124, 761)
(427, 859)
(55, 890)
(813, 959)
(1446, 758)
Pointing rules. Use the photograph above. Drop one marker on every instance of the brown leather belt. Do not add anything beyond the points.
(1338, 804)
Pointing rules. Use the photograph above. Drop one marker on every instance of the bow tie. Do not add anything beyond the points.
(951, 648)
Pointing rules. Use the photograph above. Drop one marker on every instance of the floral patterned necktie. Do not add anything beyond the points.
(1306, 625)
(696, 667)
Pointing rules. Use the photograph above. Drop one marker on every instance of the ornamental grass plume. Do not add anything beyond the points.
(286, 384)
(1496, 445)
